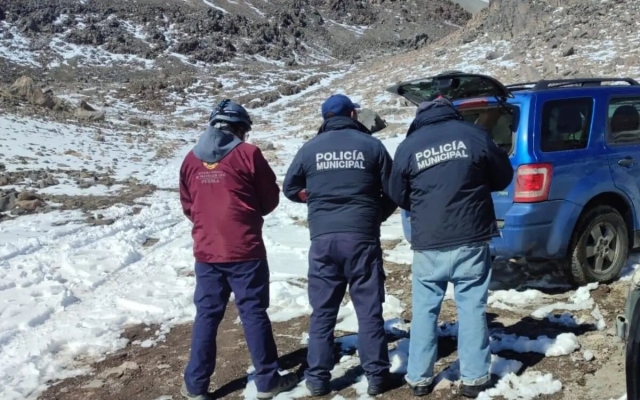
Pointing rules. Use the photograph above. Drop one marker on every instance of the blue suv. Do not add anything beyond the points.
(575, 148)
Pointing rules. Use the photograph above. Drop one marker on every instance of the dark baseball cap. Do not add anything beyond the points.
(338, 104)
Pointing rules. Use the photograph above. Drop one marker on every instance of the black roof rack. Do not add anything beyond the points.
(520, 86)
(582, 82)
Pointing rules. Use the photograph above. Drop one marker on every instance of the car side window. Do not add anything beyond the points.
(624, 120)
(566, 124)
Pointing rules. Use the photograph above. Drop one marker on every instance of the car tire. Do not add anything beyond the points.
(583, 267)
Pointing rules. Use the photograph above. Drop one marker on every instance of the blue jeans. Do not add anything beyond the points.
(468, 267)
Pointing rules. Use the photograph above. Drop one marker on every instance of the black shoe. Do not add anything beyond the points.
(285, 383)
(383, 385)
(190, 396)
(422, 390)
(319, 390)
(474, 391)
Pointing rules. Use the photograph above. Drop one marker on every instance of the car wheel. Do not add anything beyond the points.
(599, 246)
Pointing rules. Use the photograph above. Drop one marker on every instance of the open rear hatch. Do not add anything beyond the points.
(480, 99)
(453, 85)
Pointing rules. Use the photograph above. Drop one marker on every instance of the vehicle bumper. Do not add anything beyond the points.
(633, 302)
(632, 335)
(537, 230)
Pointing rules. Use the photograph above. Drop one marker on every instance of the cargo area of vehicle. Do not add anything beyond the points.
(501, 123)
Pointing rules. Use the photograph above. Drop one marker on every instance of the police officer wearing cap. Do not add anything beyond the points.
(342, 174)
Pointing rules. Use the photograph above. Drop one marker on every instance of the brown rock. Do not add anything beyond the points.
(631, 60)
(26, 89)
(444, 384)
(73, 153)
(30, 205)
(29, 196)
(85, 115)
(469, 37)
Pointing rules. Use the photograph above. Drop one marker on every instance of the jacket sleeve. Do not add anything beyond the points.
(295, 179)
(265, 183)
(185, 196)
(388, 205)
(500, 171)
(399, 183)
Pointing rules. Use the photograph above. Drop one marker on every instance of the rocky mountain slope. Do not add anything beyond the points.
(144, 33)
(515, 41)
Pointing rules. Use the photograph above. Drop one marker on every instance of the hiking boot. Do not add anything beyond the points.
(389, 382)
(319, 390)
(185, 393)
(285, 383)
(474, 391)
(422, 390)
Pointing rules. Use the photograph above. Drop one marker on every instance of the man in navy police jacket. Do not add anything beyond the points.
(444, 173)
(343, 175)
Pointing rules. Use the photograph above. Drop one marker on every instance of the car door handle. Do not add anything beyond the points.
(626, 162)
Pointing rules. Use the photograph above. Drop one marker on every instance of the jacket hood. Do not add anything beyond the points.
(433, 112)
(340, 123)
(214, 144)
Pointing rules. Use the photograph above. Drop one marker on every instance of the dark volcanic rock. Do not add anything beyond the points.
(149, 28)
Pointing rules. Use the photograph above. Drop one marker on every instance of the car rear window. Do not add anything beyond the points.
(624, 121)
(501, 125)
(566, 124)
(453, 88)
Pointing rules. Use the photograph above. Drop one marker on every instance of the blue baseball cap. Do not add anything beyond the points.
(338, 104)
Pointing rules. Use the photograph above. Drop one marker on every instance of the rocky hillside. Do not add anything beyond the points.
(515, 41)
(184, 33)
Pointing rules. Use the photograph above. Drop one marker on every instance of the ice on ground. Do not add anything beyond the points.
(563, 344)
(515, 297)
(580, 300)
(528, 386)
(288, 300)
(348, 320)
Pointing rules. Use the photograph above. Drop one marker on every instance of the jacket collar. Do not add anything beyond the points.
(339, 123)
(432, 114)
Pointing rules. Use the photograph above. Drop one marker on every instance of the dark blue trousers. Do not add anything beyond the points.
(249, 281)
(335, 261)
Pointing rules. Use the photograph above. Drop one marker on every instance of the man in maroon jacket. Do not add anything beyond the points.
(226, 188)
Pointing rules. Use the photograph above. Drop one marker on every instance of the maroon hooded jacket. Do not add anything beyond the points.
(226, 188)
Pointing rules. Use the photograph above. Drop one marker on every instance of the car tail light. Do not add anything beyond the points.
(532, 183)
(473, 103)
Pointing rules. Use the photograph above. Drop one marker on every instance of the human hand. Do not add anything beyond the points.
(302, 195)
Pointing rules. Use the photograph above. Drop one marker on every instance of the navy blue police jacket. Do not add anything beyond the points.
(345, 172)
(443, 174)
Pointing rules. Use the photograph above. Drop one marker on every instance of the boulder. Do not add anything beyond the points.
(85, 112)
(30, 205)
(26, 89)
(371, 120)
(86, 106)
(8, 200)
(84, 115)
